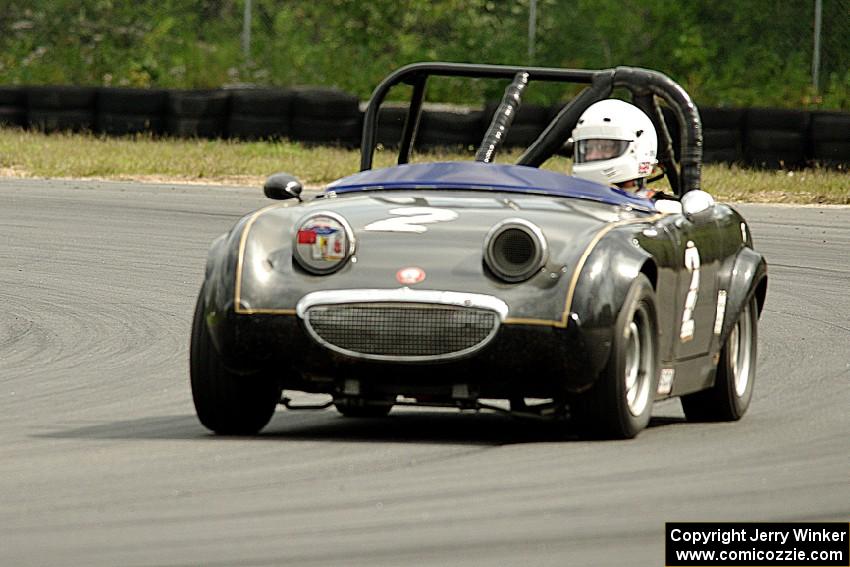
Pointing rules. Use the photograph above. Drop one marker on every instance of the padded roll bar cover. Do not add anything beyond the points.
(502, 119)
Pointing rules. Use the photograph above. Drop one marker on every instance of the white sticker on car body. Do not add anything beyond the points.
(665, 382)
(411, 219)
(721, 311)
(692, 264)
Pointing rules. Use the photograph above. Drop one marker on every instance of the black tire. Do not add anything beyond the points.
(343, 131)
(226, 403)
(720, 139)
(391, 125)
(721, 118)
(777, 119)
(324, 103)
(257, 127)
(147, 102)
(730, 396)
(258, 103)
(775, 159)
(13, 96)
(358, 407)
(775, 141)
(61, 120)
(445, 128)
(13, 116)
(611, 408)
(198, 104)
(725, 155)
(830, 127)
(61, 98)
(832, 152)
(195, 127)
(128, 124)
(775, 149)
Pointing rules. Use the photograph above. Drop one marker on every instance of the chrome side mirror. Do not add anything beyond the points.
(282, 186)
(696, 202)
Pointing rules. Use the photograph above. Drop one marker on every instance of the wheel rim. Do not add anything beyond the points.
(638, 365)
(740, 347)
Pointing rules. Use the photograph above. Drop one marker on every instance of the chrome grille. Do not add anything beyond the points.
(399, 331)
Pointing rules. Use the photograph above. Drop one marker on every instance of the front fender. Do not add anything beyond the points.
(600, 292)
(224, 259)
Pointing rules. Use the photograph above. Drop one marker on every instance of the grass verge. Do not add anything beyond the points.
(143, 158)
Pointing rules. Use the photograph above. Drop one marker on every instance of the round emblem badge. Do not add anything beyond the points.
(410, 276)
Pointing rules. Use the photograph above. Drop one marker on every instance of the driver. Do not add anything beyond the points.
(615, 144)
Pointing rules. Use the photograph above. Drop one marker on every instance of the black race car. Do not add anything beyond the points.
(460, 284)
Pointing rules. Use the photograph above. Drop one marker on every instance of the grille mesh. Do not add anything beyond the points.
(515, 248)
(408, 330)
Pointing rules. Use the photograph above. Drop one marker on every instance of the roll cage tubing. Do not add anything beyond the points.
(644, 85)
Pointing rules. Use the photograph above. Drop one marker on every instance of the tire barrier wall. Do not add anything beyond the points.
(758, 137)
(321, 116)
(122, 112)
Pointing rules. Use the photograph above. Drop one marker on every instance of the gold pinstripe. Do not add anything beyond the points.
(568, 301)
(237, 293)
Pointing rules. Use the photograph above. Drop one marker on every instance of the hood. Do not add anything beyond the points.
(440, 232)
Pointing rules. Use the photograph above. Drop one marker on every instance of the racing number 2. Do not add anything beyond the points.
(411, 219)
(692, 265)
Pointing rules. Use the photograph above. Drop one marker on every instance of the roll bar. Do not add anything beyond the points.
(644, 85)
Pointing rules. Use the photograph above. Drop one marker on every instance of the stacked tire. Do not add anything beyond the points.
(197, 114)
(259, 114)
(776, 138)
(391, 124)
(829, 135)
(125, 112)
(451, 128)
(13, 106)
(61, 108)
(722, 135)
(326, 116)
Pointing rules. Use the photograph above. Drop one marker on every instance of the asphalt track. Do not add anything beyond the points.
(102, 461)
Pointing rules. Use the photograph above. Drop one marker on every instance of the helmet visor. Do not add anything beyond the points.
(596, 149)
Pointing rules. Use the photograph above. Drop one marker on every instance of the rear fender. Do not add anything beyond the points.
(747, 277)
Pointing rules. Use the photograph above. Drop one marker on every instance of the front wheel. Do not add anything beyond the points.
(619, 404)
(730, 396)
(226, 402)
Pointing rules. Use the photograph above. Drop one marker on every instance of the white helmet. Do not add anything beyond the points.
(614, 142)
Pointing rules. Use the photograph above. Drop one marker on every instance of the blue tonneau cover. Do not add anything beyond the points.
(485, 176)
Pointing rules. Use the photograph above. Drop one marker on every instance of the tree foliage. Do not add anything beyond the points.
(736, 53)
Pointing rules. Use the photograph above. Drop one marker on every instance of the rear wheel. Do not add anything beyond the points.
(226, 402)
(730, 396)
(620, 403)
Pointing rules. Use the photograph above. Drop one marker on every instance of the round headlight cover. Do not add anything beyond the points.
(515, 249)
(323, 243)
